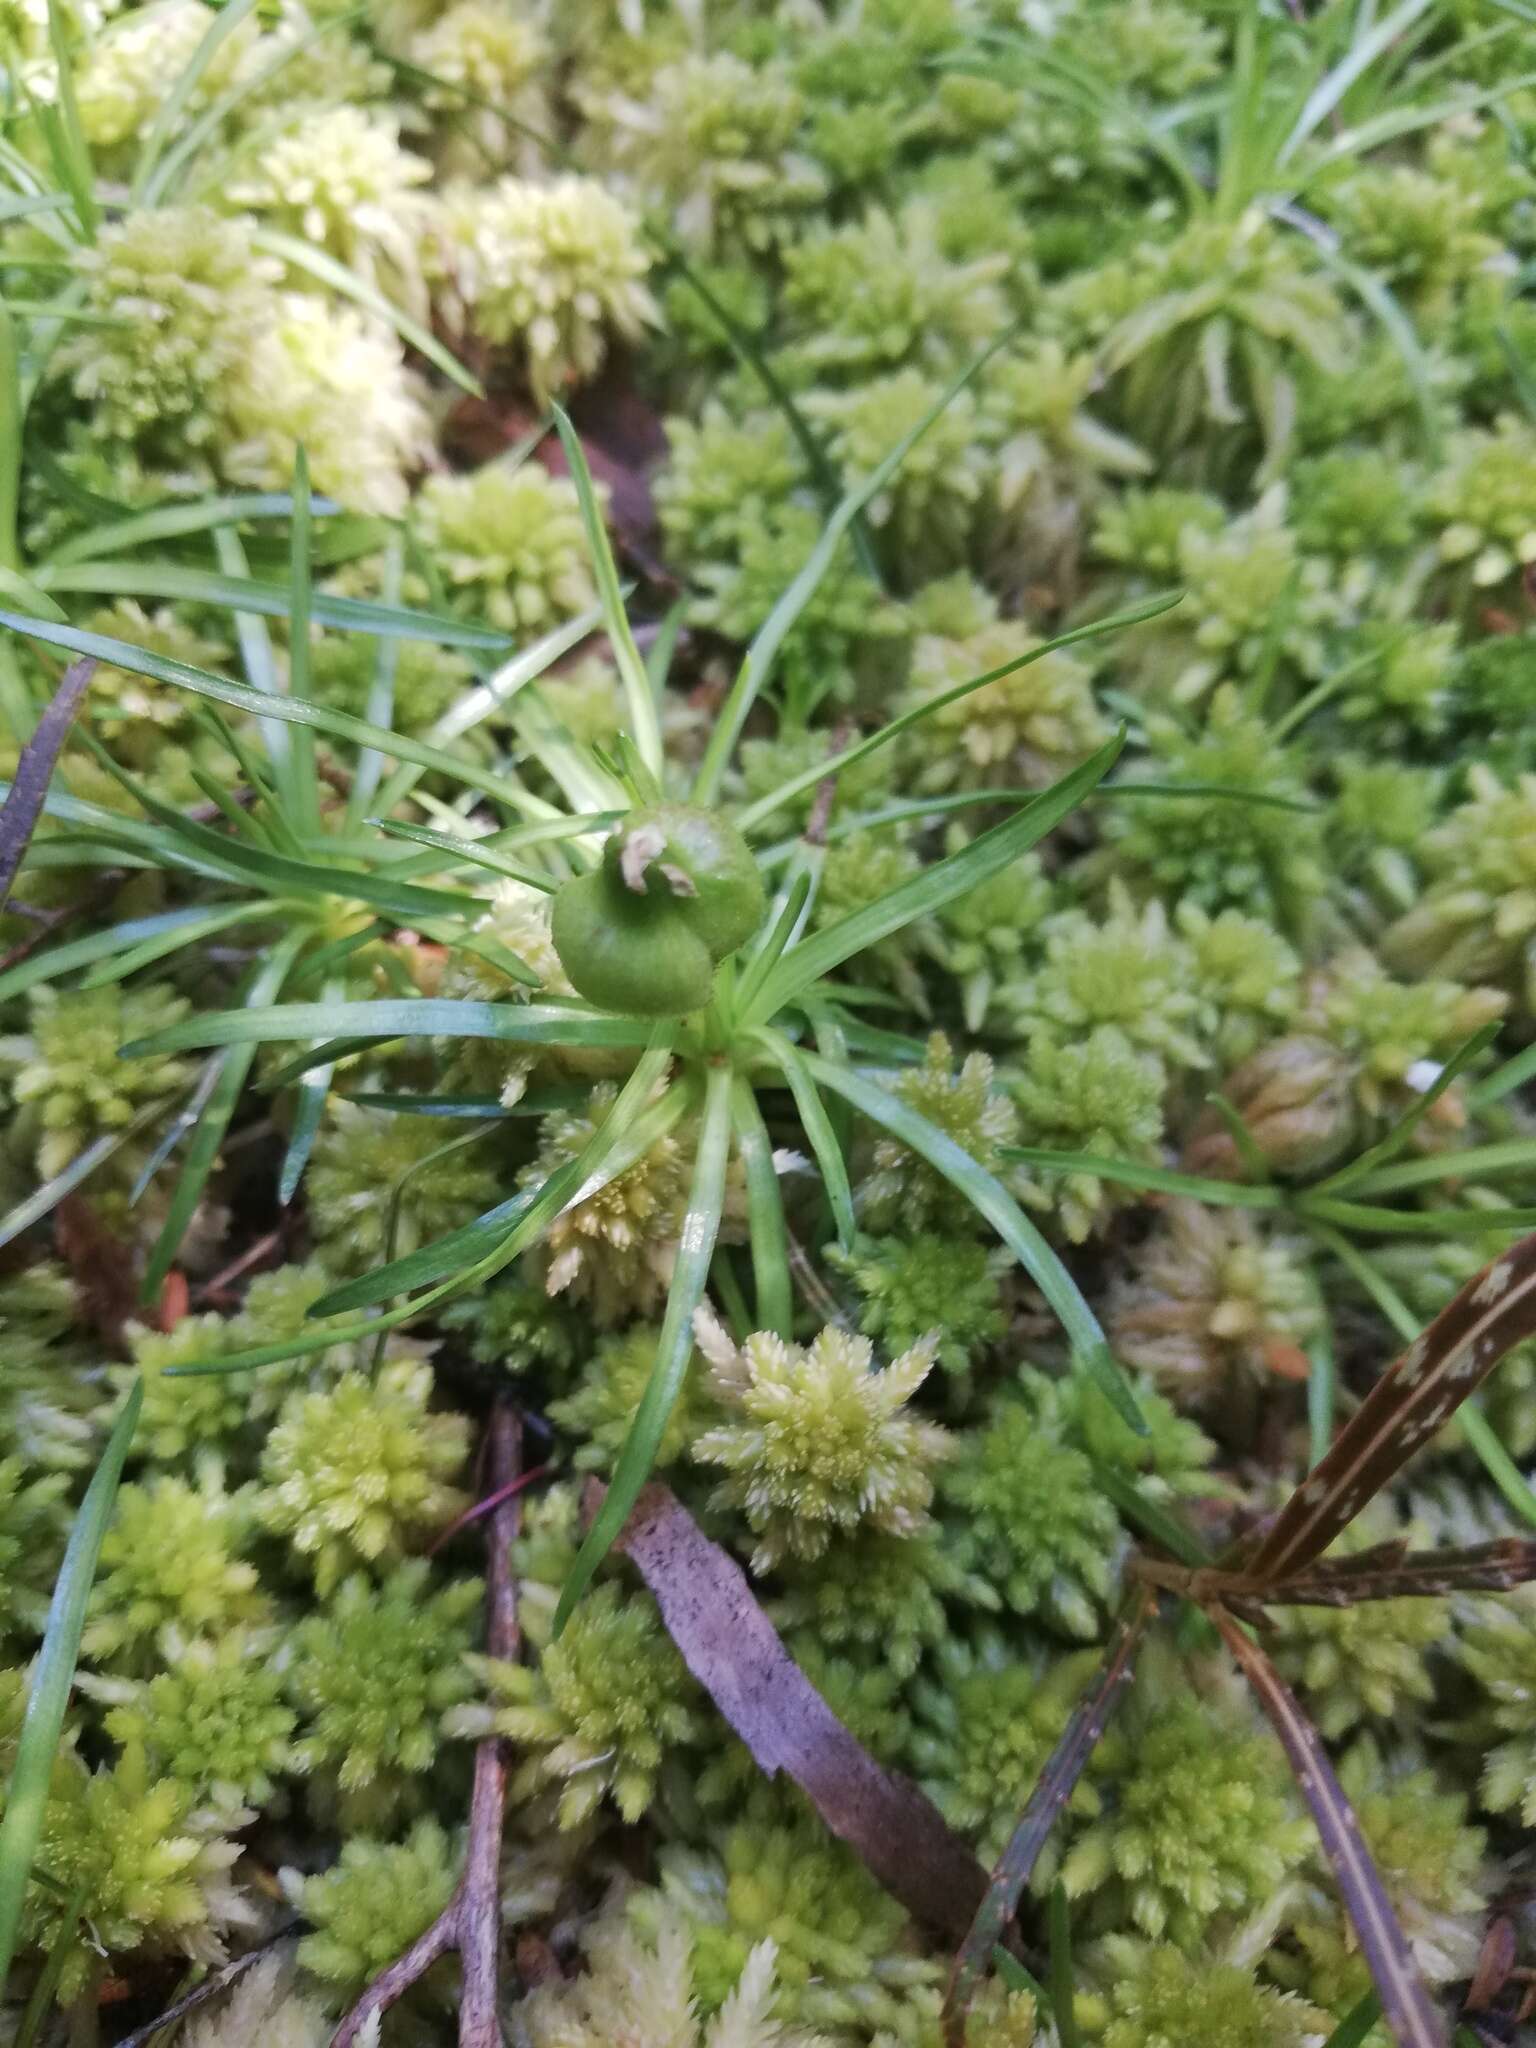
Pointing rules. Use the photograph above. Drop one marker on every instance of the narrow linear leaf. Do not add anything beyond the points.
(1045, 1806)
(301, 605)
(48, 965)
(1154, 1518)
(1322, 1385)
(175, 521)
(849, 757)
(766, 1232)
(639, 698)
(53, 1674)
(50, 1976)
(1063, 1985)
(990, 1199)
(626, 1134)
(935, 886)
(466, 852)
(174, 580)
(1504, 1080)
(308, 1110)
(23, 804)
(1397, 1137)
(744, 347)
(411, 1017)
(771, 635)
(1510, 1155)
(44, 1200)
(1164, 1180)
(119, 967)
(305, 256)
(1405, 2004)
(178, 97)
(208, 1132)
(819, 1133)
(696, 1248)
(284, 710)
(1367, 1216)
(733, 1650)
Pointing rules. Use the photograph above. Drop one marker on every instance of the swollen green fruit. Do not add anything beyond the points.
(677, 890)
(629, 953)
(699, 862)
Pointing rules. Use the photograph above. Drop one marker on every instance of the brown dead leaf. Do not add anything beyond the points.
(733, 1650)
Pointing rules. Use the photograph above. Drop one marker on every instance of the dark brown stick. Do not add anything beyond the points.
(471, 1921)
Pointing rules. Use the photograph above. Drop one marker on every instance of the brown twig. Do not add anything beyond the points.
(826, 792)
(213, 1986)
(471, 1921)
(219, 1285)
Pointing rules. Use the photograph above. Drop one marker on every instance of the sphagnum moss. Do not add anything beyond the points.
(1260, 341)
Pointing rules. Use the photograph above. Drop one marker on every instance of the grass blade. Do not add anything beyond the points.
(178, 98)
(1356, 2023)
(305, 256)
(820, 1135)
(300, 612)
(174, 580)
(639, 698)
(27, 1794)
(44, 1200)
(767, 1234)
(990, 1199)
(1388, 1147)
(701, 1227)
(174, 927)
(935, 886)
(176, 520)
(287, 710)
(1510, 1156)
(1166, 1528)
(208, 1134)
(411, 1017)
(632, 1126)
(1405, 2004)
(368, 770)
(1162, 1180)
(849, 757)
(12, 415)
(1063, 1989)
(467, 852)
(771, 635)
(308, 1109)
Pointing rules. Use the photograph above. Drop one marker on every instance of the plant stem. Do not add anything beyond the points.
(471, 1921)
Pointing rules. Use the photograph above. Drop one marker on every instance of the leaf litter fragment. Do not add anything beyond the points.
(734, 1651)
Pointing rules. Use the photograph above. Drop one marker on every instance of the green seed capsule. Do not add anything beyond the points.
(634, 954)
(695, 859)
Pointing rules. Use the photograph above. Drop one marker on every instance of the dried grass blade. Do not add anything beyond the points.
(1405, 2004)
(1414, 1397)
(23, 804)
(1495, 1567)
(1047, 1802)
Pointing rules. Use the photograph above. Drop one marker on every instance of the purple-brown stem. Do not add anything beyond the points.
(471, 1921)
